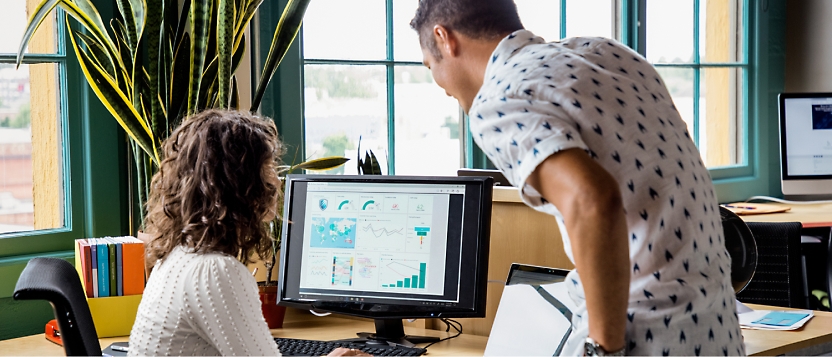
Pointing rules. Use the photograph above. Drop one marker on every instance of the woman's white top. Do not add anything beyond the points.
(201, 304)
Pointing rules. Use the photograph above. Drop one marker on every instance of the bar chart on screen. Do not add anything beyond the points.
(402, 273)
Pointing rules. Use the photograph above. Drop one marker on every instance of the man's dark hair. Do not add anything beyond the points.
(478, 19)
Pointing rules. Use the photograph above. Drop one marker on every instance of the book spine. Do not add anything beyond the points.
(103, 269)
(111, 248)
(86, 259)
(133, 266)
(94, 266)
(120, 268)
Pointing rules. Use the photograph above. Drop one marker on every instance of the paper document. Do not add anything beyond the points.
(775, 319)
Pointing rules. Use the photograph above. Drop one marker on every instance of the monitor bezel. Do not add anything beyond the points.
(784, 168)
(483, 187)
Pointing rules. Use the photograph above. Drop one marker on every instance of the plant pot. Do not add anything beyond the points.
(268, 302)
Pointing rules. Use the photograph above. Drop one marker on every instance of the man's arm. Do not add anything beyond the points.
(590, 201)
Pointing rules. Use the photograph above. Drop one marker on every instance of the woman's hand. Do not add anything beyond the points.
(341, 351)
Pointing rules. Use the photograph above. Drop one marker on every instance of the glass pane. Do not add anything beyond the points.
(721, 30)
(679, 82)
(670, 31)
(13, 20)
(341, 104)
(589, 18)
(331, 31)
(721, 112)
(541, 17)
(30, 142)
(427, 136)
(405, 40)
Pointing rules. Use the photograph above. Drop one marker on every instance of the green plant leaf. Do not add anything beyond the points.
(209, 80)
(130, 25)
(99, 53)
(286, 31)
(155, 53)
(235, 94)
(92, 22)
(244, 20)
(225, 50)
(116, 102)
(324, 163)
(41, 12)
(200, 16)
(179, 80)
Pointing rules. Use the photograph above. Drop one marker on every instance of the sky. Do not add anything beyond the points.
(13, 21)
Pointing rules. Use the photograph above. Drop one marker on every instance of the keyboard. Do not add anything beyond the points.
(296, 347)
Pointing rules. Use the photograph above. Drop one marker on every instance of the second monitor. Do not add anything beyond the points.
(386, 248)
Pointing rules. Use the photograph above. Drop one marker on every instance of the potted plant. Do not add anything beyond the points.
(158, 62)
(268, 289)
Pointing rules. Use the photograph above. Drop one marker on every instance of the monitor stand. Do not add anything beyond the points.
(391, 331)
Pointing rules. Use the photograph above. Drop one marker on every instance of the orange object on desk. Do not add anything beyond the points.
(52, 332)
(745, 208)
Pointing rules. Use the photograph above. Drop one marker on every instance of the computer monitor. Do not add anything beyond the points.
(386, 248)
(806, 145)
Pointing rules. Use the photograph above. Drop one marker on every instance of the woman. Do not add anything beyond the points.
(216, 187)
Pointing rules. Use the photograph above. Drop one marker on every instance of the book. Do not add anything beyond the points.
(94, 265)
(85, 269)
(119, 269)
(103, 268)
(133, 265)
(113, 264)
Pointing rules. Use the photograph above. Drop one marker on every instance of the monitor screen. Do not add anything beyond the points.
(386, 247)
(806, 143)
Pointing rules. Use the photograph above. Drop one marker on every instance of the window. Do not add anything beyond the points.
(699, 49)
(65, 173)
(378, 92)
(363, 78)
(31, 129)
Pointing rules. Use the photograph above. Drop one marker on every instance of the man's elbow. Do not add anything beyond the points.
(598, 202)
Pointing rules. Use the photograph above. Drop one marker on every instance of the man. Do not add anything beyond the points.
(587, 131)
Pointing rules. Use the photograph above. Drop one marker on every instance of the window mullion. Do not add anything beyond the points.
(562, 18)
(391, 84)
(696, 75)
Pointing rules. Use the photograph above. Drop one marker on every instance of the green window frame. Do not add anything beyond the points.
(94, 168)
(761, 66)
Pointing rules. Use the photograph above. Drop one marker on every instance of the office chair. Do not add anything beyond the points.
(56, 281)
(779, 277)
(740, 244)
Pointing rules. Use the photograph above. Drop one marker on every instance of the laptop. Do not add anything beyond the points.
(534, 317)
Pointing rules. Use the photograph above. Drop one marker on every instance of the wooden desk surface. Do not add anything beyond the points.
(814, 215)
(817, 333)
(324, 328)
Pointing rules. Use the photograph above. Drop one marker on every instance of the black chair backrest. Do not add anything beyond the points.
(56, 281)
(778, 280)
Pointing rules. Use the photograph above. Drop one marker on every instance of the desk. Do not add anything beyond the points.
(814, 337)
(811, 216)
(323, 328)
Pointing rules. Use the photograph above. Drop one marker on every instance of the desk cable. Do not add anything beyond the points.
(780, 200)
(449, 323)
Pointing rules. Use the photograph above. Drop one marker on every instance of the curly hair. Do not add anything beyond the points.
(478, 19)
(217, 184)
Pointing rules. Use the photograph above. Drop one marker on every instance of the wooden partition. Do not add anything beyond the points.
(519, 234)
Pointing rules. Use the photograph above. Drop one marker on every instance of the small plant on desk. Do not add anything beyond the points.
(268, 288)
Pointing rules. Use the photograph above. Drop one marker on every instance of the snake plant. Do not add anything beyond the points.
(158, 62)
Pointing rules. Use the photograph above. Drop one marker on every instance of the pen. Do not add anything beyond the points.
(743, 207)
(120, 348)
